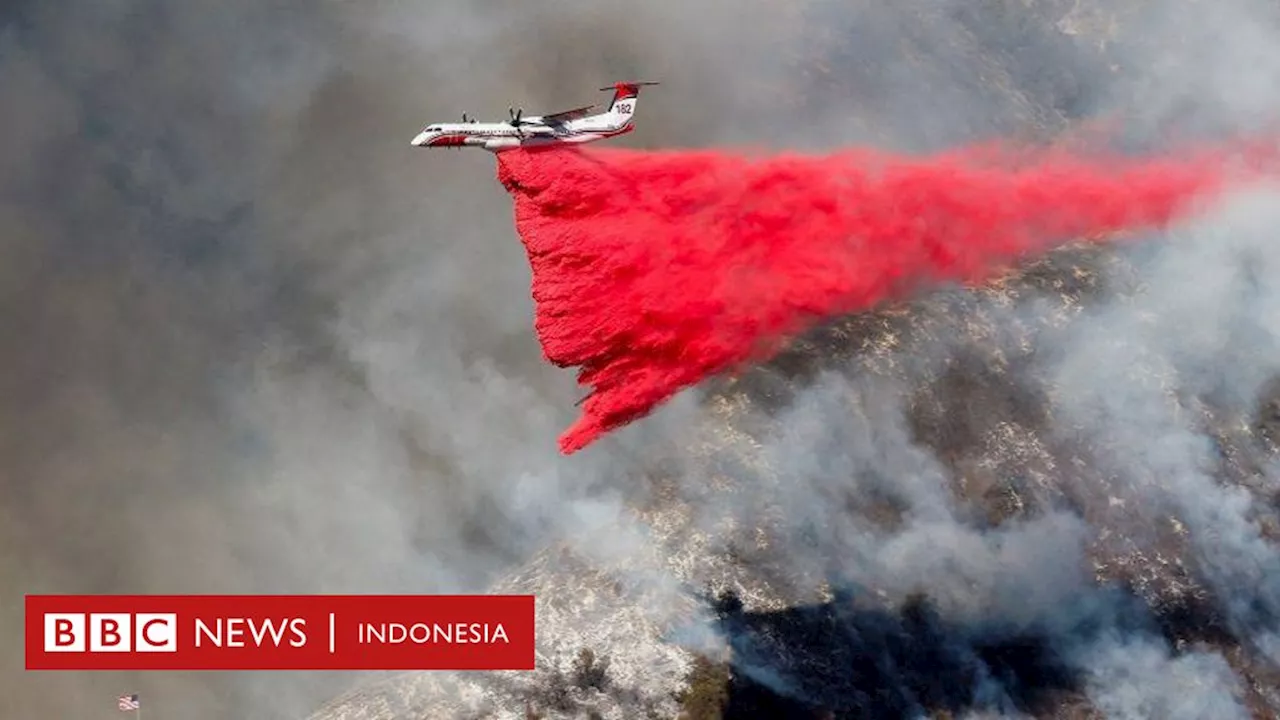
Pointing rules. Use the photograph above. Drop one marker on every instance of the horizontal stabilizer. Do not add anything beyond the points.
(633, 86)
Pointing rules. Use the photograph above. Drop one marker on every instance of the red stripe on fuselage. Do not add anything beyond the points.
(448, 141)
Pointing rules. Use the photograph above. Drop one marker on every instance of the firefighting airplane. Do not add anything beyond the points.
(570, 127)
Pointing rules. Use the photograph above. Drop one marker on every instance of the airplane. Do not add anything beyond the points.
(571, 127)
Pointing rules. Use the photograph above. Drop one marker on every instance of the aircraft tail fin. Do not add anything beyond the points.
(625, 95)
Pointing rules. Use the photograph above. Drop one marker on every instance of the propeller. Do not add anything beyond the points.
(515, 115)
(464, 117)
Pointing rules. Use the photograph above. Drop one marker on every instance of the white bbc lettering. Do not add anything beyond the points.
(156, 632)
(64, 632)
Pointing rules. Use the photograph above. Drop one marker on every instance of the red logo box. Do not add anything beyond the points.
(280, 632)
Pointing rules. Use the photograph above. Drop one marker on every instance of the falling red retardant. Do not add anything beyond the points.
(655, 270)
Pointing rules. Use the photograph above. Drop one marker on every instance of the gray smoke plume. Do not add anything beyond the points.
(257, 343)
(1138, 392)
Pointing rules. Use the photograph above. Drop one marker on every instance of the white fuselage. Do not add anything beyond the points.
(531, 132)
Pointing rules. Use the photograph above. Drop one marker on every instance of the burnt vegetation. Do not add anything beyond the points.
(580, 691)
(841, 661)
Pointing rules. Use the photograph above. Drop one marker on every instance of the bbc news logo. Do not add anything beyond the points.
(110, 632)
(280, 632)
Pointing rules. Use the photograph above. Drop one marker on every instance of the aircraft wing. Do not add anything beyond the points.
(566, 116)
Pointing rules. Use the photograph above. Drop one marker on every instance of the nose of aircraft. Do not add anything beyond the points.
(420, 140)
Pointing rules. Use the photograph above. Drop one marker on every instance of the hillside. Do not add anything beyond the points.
(1053, 496)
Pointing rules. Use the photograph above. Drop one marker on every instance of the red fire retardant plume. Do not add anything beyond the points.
(655, 270)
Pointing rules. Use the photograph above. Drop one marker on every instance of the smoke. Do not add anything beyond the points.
(134, 286)
(256, 343)
(1138, 679)
(1145, 524)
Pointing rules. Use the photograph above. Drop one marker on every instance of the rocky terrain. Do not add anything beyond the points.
(980, 424)
(1052, 496)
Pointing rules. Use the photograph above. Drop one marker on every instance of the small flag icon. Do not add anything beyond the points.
(129, 703)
